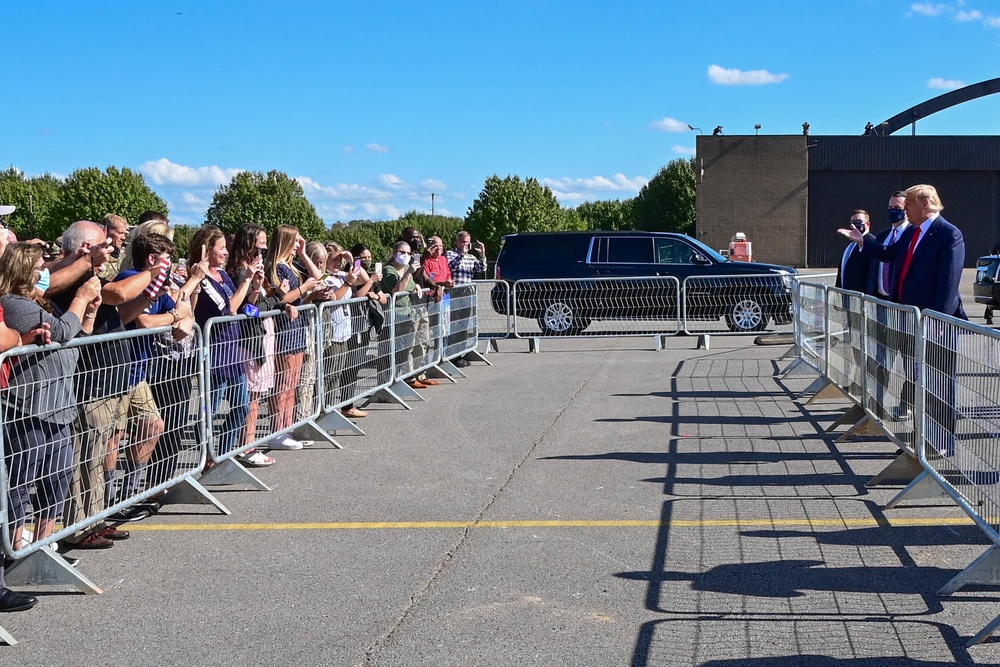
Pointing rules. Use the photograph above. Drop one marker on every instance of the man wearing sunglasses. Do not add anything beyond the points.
(856, 272)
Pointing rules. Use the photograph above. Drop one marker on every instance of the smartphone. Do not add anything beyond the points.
(357, 264)
(39, 339)
(378, 267)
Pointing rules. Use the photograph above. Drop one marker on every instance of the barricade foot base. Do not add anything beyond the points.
(334, 421)
(229, 472)
(6, 638)
(797, 367)
(852, 416)
(534, 345)
(190, 492)
(704, 341)
(405, 391)
(823, 390)
(47, 567)
(791, 353)
(452, 370)
(441, 372)
(866, 428)
(387, 395)
(476, 355)
(978, 639)
(310, 430)
(984, 570)
(904, 468)
(494, 346)
(923, 487)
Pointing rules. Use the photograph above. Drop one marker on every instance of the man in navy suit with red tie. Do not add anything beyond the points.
(927, 264)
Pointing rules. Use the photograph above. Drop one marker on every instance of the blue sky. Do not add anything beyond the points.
(373, 106)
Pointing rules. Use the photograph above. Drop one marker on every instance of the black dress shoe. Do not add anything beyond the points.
(14, 601)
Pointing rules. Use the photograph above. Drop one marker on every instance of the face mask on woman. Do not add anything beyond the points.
(366, 264)
(402, 258)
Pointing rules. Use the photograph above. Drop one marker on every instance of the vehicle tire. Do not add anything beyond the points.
(746, 315)
(560, 318)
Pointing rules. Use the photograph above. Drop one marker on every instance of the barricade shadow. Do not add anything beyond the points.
(705, 394)
(720, 457)
(647, 650)
(796, 578)
(898, 536)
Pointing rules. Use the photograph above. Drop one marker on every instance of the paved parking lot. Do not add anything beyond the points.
(599, 503)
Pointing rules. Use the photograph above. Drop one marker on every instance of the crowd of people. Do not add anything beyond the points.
(90, 426)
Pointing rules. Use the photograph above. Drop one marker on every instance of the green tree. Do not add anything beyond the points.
(609, 215)
(667, 202)
(35, 199)
(90, 194)
(380, 236)
(182, 238)
(268, 200)
(509, 205)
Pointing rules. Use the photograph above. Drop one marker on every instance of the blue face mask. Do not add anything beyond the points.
(43, 280)
(896, 215)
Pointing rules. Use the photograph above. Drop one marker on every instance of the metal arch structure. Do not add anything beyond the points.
(939, 103)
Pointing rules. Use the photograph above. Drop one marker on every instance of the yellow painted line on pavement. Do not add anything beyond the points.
(557, 523)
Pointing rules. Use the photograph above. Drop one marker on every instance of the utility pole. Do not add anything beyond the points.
(432, 203)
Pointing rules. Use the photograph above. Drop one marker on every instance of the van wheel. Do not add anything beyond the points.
(560, 319)
(746, 315)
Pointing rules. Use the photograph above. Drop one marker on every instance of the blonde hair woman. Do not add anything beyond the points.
(292, 285)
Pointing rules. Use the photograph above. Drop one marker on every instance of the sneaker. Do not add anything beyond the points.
(460, 363)
(135, 513)
(354, 413)
(285, 442)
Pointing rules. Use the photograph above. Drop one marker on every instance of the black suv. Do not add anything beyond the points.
(568, 307)
(987, 288)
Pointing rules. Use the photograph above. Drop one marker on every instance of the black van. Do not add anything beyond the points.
(568, 307)
(987, 287)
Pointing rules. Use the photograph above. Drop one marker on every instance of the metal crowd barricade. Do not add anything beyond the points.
(120, 428)
(845, 351)
(810, 325)
(355, 353)
(891, 332)
(260, 387)
(596, 307)
(460, 311)
(737, 304)
(960, 441)
(494, 311)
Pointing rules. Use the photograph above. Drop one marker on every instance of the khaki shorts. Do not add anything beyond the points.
(139, 403)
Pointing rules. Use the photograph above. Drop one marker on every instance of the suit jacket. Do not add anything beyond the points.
(935, 273)
(877, 271)
(857, 272)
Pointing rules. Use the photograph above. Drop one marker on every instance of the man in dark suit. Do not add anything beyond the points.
(927, 264)
(885, 328)
(856, 273)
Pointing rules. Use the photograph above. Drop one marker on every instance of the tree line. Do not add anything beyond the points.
(46, 205)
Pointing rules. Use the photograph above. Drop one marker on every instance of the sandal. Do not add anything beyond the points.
(255, 459)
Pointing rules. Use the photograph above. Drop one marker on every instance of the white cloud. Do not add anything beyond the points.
(735, 77)
(993, 22)
(377, 148)
(973, 15)
(668, 124)
(577, 190)
(617, 183)
(929, 9)
(391, 181)
(348, 149)
(191, 199)
(683, 150)
(434, 184)
(945, 84)
(165, 172)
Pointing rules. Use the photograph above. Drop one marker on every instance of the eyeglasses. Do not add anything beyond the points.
(859, 222)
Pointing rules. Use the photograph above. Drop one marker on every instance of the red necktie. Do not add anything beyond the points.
(909, 258)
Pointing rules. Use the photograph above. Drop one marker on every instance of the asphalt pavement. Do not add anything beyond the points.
(599, 503)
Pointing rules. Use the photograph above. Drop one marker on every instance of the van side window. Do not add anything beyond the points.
(671, 251)
(624, 250)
